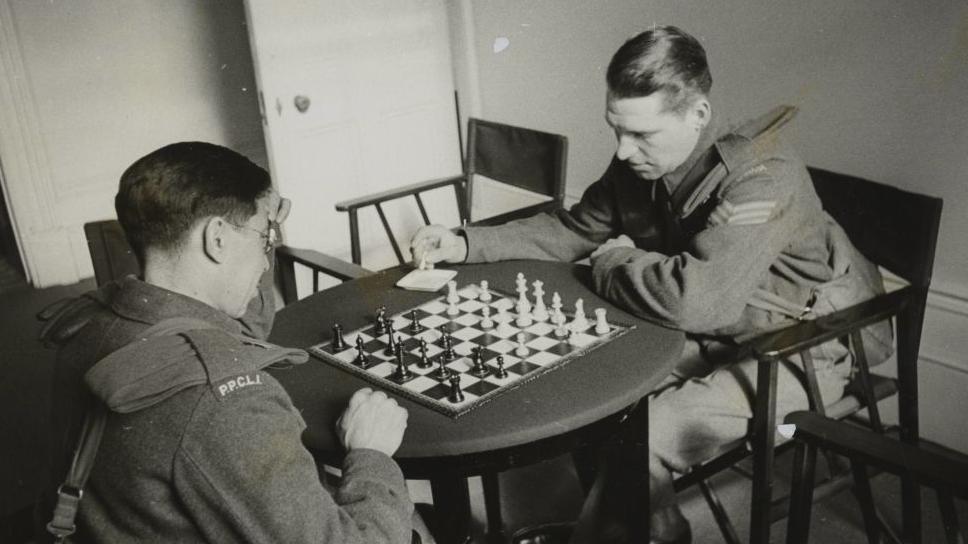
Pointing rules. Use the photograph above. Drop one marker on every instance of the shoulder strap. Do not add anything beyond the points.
(70, 492)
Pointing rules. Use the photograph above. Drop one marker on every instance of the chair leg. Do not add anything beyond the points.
(952, 528)
(763, 440)
(801, 496)
(719, 513)
(862, 489)
(492, 507)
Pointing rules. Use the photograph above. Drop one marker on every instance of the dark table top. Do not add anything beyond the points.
(599, 384)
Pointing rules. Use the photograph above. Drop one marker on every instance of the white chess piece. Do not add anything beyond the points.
(521, 350)
(540, 312)
(452, 309)
(573, 337)
(580, 323)
(487, 322)
(522, 284)
(561, 330)
(601, 326)
(485, 295)
(504, 327)
(557, 316)
(524, 318)
(452, 296)
(524, 305)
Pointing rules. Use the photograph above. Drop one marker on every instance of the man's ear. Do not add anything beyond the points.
(214, 238)
(703, 112)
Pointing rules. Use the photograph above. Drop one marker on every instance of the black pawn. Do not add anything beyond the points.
(479, 369)
(381, 321)
(501, 372)
(424, 360)
(391, 341)
(415, 325)
(402, 373)
(456, 395)
(442, 372)
(448, 347)
(338, 343)
(362, 360)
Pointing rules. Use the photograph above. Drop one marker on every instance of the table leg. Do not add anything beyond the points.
(452, 509)
(492, 505)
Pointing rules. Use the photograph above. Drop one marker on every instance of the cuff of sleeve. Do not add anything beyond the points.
(374, 465)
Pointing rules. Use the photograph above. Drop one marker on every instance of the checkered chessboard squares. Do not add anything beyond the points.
(544, 349)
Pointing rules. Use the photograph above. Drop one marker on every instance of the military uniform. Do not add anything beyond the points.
(201, 444)
(732, 243)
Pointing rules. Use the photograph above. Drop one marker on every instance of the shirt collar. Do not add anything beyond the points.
(680, 182)
(147, 303)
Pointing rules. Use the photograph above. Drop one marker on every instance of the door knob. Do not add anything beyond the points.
(301, 102)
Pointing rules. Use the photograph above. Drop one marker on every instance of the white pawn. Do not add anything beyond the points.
(580, 323)
(557, 316)
(485, 295)
(540, 312)
(521, 350)
(452, 309)
(561, 330)
(487, 322)
(524, 319)
(601, 326)
(573, 337)
(452, 293)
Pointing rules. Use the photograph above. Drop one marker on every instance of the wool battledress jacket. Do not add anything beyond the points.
(201, 444)
(732, 243)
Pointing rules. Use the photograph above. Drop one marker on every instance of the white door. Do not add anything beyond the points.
(357, 98)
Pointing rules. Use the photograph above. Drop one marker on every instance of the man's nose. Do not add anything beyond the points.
(625, 148)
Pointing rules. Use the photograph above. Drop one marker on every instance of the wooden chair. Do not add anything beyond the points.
(946, 473)
(897, 230)
(112, 258)
(520, 157)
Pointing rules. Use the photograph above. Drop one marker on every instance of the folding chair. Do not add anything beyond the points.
(113, 258)
(946, 473)
(529, 160)
(896, 230)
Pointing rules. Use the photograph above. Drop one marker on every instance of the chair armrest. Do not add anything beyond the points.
(320, 262)
(399, 192)
(932, 468)
(806, 334)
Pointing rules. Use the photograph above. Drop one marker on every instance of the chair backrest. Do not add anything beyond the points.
(110, 252)
(525, 158)
(894, 228)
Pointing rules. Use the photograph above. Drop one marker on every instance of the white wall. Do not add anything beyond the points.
(880, 87)
(88, 87)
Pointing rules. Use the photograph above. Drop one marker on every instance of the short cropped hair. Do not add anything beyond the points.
(165, 193)
(664, 58)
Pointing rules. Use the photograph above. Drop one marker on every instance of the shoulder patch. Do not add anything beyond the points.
(754, 212)
(232, 384)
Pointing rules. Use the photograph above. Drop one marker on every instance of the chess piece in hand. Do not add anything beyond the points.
(612, 243)
(436, 243)
(372, 421)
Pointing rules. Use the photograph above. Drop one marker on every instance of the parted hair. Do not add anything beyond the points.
(163, 194)
(664, 58)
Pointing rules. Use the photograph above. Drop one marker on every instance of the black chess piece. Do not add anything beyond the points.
(391, 341)
(456, 395)
(424, 361)
(415, 326)
(402, 372)
(361, 360)
(479, 369)
(501, 372)
(448, 345)
(338, 343)
(381, 321)
(442, 372)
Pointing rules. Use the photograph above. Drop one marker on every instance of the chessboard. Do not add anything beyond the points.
(463, 349)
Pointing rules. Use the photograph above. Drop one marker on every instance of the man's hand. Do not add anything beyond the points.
(612, 243)
(436, 243)
(372, 421)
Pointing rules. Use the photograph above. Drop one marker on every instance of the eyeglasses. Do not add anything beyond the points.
(271, 235)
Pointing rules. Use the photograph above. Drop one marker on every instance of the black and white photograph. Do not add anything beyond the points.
(483, 271)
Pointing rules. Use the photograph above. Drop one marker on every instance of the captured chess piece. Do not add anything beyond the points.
(362, 360)
(501, 372)
(456, 395)
(381, 321)
(338, 343)
(485, 295)
(402, 373)
(415, 326)
(601, 326)
(424, 361)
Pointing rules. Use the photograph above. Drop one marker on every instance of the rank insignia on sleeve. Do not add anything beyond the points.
(753, 212)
